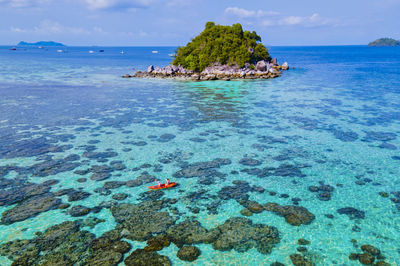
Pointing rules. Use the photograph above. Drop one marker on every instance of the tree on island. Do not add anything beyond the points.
(221, 44)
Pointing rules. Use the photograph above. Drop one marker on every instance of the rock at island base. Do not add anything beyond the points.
(265, 70)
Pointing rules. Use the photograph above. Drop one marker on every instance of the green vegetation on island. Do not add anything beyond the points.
(385, 42)
(42, 43)
(221, 44)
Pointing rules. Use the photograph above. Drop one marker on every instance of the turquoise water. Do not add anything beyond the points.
(334, 120)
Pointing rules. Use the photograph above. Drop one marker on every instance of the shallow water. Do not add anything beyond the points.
(333, 120)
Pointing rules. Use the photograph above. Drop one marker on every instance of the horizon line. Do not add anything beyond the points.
(267, 46)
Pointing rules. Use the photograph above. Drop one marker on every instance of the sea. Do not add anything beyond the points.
(303, 168)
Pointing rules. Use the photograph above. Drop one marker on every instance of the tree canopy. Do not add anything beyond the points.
(221, 44)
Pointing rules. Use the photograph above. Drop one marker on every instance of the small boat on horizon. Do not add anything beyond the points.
(172, 55)
(122, 52)
(154, 52)
(13, 49)
(91, 52)
(60, 51)
(40, 47)
(101, 51)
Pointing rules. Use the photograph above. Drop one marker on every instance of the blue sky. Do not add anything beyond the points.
(174, 22)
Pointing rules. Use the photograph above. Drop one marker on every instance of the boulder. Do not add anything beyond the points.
(261, 65)
(285, 66)
(174, 68)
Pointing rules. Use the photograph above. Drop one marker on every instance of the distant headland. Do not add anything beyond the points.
(219, 52)
(42, 43)
(385, 42)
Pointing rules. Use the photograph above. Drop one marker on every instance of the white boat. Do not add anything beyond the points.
(40, 47)
(172, 55)
(91, 52)
(122, 52)
(154, 52)
(60, 51)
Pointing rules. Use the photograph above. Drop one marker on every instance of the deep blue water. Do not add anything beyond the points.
(322, 140)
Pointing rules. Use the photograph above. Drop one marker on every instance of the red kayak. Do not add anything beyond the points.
(162, 186)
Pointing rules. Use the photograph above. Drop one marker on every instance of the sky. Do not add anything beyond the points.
(175, 22)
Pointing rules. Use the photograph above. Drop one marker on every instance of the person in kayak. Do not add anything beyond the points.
(168, 182)
(158, 182)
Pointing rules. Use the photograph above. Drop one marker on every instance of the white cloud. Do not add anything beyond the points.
(17, 30)
(24, 3)
(48, 27)
(244, 13)
(272, 18)
(117, 4)
(311, 21)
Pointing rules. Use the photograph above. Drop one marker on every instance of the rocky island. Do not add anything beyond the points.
(385, 42)
(41, 43)
(219, 53)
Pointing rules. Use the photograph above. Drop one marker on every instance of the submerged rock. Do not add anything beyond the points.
(143, 220)
(241, 234)
(201, 169)
(294, 215)
(79, 210)
(62, 243)
(249, 161)
(352, 213)
(190, 232)
(78, 195)
(188, 253)
(157, 243)
(300, 260)
(140, 257)
(238, 191)
(30, 208)
(13, 191)
(120, 196)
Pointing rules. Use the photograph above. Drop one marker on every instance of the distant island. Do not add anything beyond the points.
(219, 52)
(385, 42)
(41, 43)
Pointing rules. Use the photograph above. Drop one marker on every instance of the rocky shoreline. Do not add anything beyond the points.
(262, 70)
